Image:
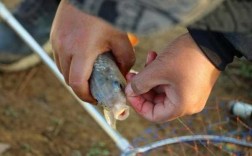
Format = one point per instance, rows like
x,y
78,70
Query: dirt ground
x,y
39,117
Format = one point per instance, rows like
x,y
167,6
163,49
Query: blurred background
x,y
39,117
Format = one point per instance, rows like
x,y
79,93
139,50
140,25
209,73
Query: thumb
x,y
145,80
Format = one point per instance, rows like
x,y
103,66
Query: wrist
x,y
193,75
188,63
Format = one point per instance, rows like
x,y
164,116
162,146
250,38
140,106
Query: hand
x,y
77,39
175,83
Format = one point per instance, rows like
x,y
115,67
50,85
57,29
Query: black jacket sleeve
x,y
225,33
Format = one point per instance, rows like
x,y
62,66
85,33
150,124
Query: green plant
x,y
26,147
98,149
9,111
246,70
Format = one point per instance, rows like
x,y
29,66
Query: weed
x,y
246,70
26,147
98,149
10,112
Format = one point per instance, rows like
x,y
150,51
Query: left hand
x,y
77,40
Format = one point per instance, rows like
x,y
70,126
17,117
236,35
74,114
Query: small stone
x,y
3,148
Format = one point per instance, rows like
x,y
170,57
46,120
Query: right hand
x,y
175,83
77,39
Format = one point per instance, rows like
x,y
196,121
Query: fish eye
x,y
116,84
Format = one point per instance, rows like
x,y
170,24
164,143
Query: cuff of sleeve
x,y
216,48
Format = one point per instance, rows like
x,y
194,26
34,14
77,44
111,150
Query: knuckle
x,y
196,109
192,104
60,42
161,59
157,119
76,87
199,109
136,87
121,35
175,115
176,110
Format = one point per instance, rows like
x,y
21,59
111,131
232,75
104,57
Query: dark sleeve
x,y
225,33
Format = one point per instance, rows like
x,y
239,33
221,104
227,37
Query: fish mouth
x,y
120,111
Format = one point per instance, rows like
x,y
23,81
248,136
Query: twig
x,y
26,80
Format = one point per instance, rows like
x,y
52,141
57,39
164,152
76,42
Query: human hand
x,y
78,38
175,83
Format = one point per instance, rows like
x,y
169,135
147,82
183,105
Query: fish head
x,y
107,86
115,101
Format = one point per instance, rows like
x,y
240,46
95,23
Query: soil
x,y
39,117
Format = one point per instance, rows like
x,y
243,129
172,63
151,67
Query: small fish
x,y
107,87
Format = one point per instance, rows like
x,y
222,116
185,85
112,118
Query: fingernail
x,y
128,90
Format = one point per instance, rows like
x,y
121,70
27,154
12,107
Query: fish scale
x,y
107,87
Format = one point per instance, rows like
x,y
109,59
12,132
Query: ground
x,y
39,117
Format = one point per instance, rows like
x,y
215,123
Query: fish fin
x,y
109,116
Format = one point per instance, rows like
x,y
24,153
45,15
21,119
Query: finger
x,y
147,109
153,106
149,95
141,106
57,62
156,110
150,57
164,111
65,62
79,74
160,89
150,77
124,54
129,76
159,98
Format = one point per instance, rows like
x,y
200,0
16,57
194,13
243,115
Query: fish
x,y
107,86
